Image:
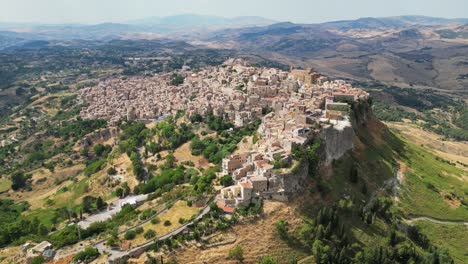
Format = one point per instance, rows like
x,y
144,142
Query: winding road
x,y
416,218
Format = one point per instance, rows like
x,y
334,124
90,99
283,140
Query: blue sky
x,y
304,11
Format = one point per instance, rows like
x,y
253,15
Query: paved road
x,y
113,209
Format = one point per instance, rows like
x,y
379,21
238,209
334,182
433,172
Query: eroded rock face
x,y
338,140
100,135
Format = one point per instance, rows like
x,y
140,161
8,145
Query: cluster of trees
x,y
72,234
204,183
217,123
91,204
215,149
171,136
16,226
98,162
386,112
123,190
137,166
93,166
101,150
163,182
170,177
87,255
19,180
77,129
279,162
226,180
329,240
133,135
131,234
177,79
307,154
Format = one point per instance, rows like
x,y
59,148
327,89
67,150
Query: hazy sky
x,y
306,11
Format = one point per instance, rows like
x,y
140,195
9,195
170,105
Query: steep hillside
x,y
350,211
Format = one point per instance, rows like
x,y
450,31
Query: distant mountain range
x,y
190,20
199,27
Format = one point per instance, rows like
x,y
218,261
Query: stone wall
x,y
337,142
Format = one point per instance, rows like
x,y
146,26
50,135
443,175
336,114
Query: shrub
x,y
146,214
167,223
111,171
282,228
129,235
237,253
139,230
150,234
155,221
111,242
86,255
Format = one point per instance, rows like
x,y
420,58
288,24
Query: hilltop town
x,y
294,107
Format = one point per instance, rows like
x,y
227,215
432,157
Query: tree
x,y
177,79
99,149
19,180
353,174
111,171
111,242
88,203
282,228
126,189
149,234
42,230
119,192
129,235
100,203
170,161
237,253
226,181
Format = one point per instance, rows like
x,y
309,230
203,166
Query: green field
x,y
433,187
452,237
4,185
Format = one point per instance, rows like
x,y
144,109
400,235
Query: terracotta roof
x,y
126,245
245,185
225,208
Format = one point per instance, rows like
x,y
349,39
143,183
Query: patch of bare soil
x,y
451,200
256,238
123,166
10,255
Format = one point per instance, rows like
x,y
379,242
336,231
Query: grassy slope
x,y
449,236
418,195
376,154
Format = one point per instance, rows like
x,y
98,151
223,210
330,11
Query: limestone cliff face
x,y
338,140
338,137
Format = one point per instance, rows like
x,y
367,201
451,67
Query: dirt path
x,y
415,218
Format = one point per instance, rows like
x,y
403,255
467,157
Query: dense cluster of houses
x,y
293,105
